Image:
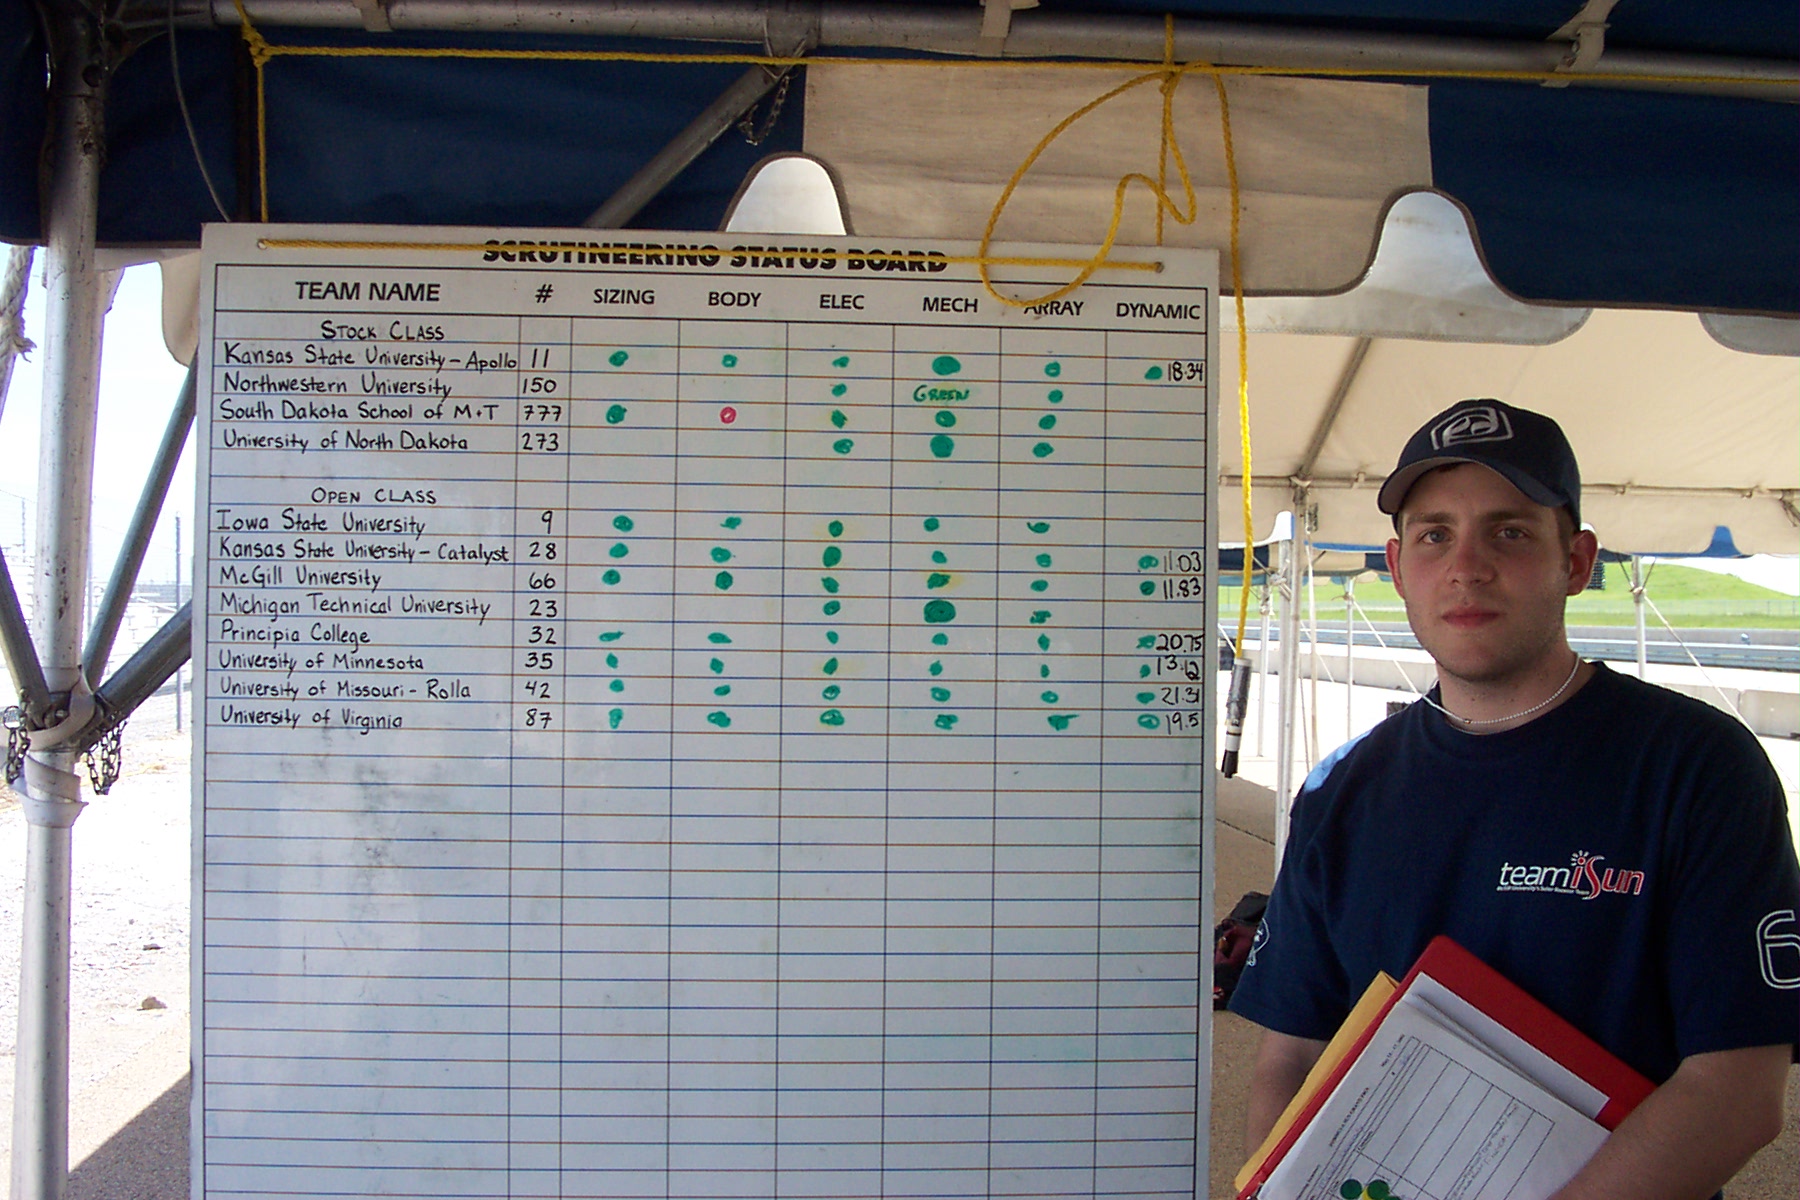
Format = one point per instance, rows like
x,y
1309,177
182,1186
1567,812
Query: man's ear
x,y
1393,566
1584,548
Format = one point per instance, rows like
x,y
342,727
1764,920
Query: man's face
x,y
1485,572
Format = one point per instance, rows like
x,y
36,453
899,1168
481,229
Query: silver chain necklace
x,y
1542,704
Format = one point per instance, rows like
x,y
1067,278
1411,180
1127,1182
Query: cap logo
x,y
1482,424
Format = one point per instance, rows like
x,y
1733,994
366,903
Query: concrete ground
x,y
129,1073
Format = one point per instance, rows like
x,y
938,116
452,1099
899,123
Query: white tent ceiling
x,y
1675,433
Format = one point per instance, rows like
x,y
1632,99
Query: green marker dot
x,y
935,580
612,635
945,721
615,414
722,581
1047,421
829,584
716,666
1060,721
617,685
833,556
843,445
831,716
731,522
730,360
939,557
614,717
724,689
623,523
940,639
1145,697
943,445
841,361
931,524
1043,560
838,419
1044,671
936,668
617,358
831,636
1378,1189
835,529
1040,585
1350,1189
612,660
611,577
832,607
938,612
1053,369
720,719
720,554
1147,641
830,666
618,550
832,691
1147,588
1049,697
945,418
1147,561
838,389
1149,721
1144,671
1153,374
940,694
1043,450
1055,396
1043,641
1038,526
945,364
1040,616
718,639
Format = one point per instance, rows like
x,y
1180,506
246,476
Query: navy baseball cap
x,y
1527,449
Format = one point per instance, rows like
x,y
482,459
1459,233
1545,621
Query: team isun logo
x,y
1583,877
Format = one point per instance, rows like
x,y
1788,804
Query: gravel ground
x,y
129,920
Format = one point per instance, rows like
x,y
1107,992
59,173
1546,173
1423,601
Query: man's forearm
x,y
1693,1133
1281,1066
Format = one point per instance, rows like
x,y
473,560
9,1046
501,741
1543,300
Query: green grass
x,y
1688,597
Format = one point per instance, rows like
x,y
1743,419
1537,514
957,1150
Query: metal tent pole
x,y
957,29
683,149
1292,552
73,305
137,538
1637,603
1262,659
1350,658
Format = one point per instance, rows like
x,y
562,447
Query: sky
x,y
139,381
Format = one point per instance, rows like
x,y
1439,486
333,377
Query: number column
x,y
540,528
1157,461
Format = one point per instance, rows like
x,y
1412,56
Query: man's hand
x,y
1693,1133
1282,1062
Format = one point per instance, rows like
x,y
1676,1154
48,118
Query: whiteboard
x,y
691,719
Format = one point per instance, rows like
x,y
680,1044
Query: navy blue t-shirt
x,y
1625,858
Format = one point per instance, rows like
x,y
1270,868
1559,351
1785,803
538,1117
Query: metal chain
x,y
17,742
747,125
110,748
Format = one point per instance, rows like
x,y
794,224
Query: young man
x,y
1620,851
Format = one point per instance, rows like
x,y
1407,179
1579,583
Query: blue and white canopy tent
x,y
1614,155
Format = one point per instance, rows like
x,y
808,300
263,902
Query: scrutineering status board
x,y
692,718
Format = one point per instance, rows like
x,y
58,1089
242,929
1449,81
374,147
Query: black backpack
x,y
1232,939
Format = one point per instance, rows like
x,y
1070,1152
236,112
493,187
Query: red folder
x,y
1509,1005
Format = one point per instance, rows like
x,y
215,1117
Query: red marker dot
x,y
727,415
